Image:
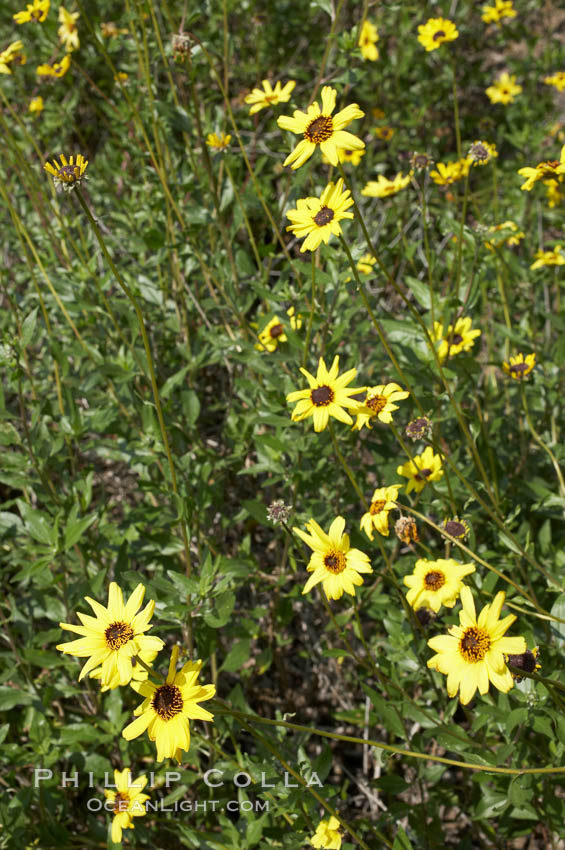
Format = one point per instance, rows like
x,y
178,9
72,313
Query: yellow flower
x,y
368,38
510,240
318,218
543,170
354,157
109,29
113,636
482,152
385,132
549,258
554,194
36,104
57,69
327,835
458,338
36,12
557,80
450,172
504,89
382,187
365,263
382,503
519,366
68,32
501,9
436,583
326,396
218,143
128,801
269,96
379,404
435,31
167,708
139,673
332,561
421,469
68,174
12,53
273,332
320,127
472,654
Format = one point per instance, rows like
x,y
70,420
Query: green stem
x,y
541,443
311,316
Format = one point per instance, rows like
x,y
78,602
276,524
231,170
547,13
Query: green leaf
x,y
28,328
10,697
39,525
75,528
237,656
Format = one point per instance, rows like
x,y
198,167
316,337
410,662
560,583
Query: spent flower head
x,y
418,428
482,152
278,513
322,129
526,661
406,529
456,528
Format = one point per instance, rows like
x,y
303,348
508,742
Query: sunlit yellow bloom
x,y
332,561
167,708
504,89
543,170
327,396
320,128
113,636
128,801
379,404
273,332
327,836
12,54
269,96
557,80
218,142
121,77
472,654
68,32
435,31
421,469
382,187
449,172
368,38
549,258
354,157
36,104
57,69
109,29
385,132
554,193
68,174
436,583
318,218
501,9
382,503
365,263
519,366
139,673
456,339
482,152
36,12
506,239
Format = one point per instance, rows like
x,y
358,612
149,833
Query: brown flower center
x,y
518,368
474,644
121,801
167,701
117,635
455,339
434,580
376,403
335,562
423,473
68,173
439,34
456,529
324,216
377,507
320,129
276,330
322,396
